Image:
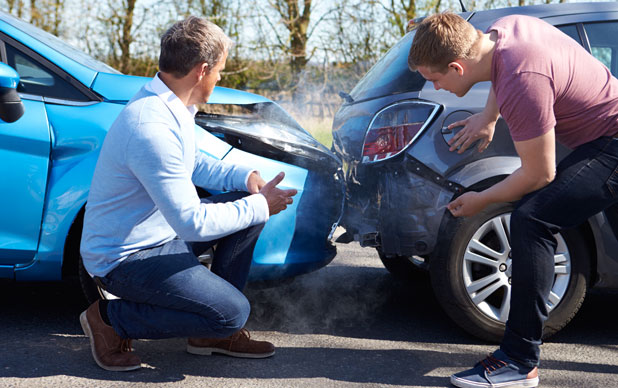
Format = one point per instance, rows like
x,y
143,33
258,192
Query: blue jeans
x,y
166,292
586,183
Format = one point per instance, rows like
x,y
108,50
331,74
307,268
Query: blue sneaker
x,y
497,371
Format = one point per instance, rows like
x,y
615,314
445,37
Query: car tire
x,y
91,291
89,288
457,278
401,267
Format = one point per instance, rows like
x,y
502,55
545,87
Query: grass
x,y
320,128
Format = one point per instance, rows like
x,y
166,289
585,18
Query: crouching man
x,y
145,224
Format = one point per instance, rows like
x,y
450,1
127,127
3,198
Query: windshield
x,y
390,74
57,44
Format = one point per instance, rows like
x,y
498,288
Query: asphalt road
x,y
347,325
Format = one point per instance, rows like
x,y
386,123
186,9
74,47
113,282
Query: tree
x,y
121,27
400,12
17,6
46,14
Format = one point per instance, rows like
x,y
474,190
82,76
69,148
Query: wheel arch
x,y
449,222
70,256
585,229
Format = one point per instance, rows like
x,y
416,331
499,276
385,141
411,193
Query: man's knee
x,y
238,313
232,317
255,230
520,217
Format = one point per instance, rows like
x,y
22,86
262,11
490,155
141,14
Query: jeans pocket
x,y
612,183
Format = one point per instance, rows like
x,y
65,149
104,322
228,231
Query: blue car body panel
x,y
108,86
118,87
273,245
232,96
24,156
77,141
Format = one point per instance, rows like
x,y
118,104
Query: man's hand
x,y
477,126
277,199
255,183
468,204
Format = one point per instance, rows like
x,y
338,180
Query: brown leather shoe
x,y
236,345
109,350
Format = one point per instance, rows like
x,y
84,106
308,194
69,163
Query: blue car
x,y
47,159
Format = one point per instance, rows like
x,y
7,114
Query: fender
x,y
483,169
68,192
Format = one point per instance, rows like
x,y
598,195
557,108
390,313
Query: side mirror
x,y
11,107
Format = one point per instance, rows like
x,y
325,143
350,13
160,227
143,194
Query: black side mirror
x,y
11,107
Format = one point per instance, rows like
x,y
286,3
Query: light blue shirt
x,y
143,194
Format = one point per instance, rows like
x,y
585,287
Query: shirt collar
x,y
182,112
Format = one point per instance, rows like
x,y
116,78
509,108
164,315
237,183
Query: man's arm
x,y
211,173
538,168
156,158
478,126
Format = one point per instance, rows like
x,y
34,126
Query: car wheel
x,y
402,267
91,291
471,275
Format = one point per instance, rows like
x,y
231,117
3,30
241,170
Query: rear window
x,y
390,75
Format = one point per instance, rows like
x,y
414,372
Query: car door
x,y
24,165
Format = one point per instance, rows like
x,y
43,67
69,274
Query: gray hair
x,y
190,42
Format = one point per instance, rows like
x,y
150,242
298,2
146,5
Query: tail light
x,y
395,127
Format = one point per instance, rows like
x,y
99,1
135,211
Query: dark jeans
x,y
586,183
166,292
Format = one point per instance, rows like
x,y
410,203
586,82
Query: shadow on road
x,y
41,336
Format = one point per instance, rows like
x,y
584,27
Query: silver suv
x,y
392,135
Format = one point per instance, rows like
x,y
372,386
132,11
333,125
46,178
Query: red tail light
x,y
394,128
382,143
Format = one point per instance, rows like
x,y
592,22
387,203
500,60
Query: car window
x,y
571,30
603,39
36,79
390,74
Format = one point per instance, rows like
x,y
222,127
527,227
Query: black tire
x,y
450,271
89,288
401,267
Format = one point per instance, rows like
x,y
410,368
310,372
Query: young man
x,y
547,88
145,224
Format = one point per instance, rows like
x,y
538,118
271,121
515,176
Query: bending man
x,y
546,90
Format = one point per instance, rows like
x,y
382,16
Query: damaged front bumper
x,y
299,240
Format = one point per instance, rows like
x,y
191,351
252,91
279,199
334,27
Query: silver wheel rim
x,y
487,269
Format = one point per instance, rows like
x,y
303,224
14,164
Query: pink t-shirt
x,y
543,79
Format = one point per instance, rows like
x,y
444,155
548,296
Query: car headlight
x,y
395,127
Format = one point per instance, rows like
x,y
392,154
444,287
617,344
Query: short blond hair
x,y
442,38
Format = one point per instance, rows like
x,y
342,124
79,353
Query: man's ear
x,y
457,66
201,69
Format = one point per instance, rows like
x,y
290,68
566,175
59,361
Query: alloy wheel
x,y
487,269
